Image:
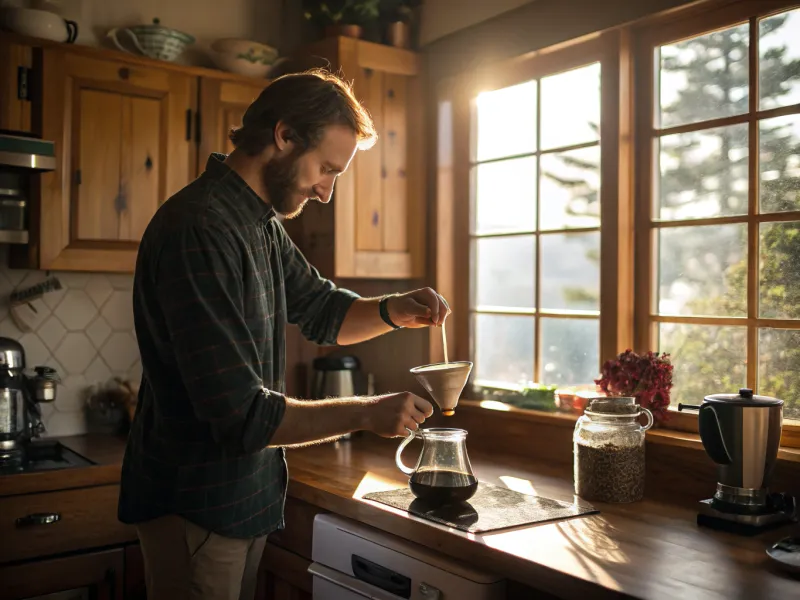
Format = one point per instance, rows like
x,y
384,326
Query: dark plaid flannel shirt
x,y
217,279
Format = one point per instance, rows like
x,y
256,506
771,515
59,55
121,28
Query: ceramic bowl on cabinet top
x,y
244,57
155,41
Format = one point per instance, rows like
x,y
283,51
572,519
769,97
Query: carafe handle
x,y
398,459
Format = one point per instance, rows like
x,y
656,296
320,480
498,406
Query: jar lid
x,y
745,397
613,405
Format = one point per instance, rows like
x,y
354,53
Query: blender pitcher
x,y
443,474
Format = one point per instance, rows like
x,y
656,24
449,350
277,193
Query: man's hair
x,y
307,102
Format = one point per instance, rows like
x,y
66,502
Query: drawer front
x,y
34,525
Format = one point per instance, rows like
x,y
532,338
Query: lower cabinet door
x,y
92,576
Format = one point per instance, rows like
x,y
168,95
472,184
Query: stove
x,y
44,455
778,509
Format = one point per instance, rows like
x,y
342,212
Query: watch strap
x,y
384,312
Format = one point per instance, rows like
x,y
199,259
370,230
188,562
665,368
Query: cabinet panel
x,y
118,156
16,61
87,518
368,167
394,191
98,137
222,106
377,228
124,137
98,575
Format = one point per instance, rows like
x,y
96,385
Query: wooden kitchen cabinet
x,y
125,142
222,106
97,575
283,575
16,63
376,225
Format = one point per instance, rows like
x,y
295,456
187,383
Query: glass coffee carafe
x,y
443,474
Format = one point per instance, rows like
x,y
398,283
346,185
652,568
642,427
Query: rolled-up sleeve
x,y
314,303
200,290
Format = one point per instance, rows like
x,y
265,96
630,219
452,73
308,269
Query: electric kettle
x,y
335,377
741,433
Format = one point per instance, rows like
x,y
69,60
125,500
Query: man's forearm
x,y
310,421
363,322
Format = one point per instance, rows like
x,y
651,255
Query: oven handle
x,y
38,519
349,583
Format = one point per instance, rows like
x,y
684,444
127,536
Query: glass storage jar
x,y
609,450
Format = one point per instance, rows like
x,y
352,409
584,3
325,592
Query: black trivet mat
x,y
491,508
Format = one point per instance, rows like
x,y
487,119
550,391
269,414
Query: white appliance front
x,y
353,562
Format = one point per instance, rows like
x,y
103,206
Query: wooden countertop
x,y
105,451
650,549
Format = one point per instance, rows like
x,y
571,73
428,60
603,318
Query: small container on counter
x,y
609,450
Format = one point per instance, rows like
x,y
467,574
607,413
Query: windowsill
x,y
662,436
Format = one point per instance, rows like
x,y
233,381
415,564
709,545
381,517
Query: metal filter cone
x,y
444,382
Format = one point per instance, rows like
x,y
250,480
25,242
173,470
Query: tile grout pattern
x,y
84,331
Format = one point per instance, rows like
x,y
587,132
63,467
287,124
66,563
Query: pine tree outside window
x,y
719,223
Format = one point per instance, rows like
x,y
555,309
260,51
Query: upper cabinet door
x,y
222,106
124,138
16,61
377,222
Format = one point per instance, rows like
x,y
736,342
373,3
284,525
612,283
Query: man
x,y
217,278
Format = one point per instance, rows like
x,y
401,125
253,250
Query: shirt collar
x,y
247,200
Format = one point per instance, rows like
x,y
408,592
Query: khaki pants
x,y
185,562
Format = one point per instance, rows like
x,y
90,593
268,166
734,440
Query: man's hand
x,y
390,415
420,308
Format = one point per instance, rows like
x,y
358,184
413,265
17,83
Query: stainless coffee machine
x,y
742,433
20,394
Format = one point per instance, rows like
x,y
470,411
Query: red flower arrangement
x,y
646,377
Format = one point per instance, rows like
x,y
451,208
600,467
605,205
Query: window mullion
x,y
537,326
752,211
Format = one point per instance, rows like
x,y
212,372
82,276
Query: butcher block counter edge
x,y
648,550
105,451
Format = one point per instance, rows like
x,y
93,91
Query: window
x,y
721,206
534,229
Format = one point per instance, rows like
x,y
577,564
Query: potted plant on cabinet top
x,y
341,17
397,15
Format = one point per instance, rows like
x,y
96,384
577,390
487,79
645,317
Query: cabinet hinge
x,y
23,83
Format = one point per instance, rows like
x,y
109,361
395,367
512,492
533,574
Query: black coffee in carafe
x,y
437,488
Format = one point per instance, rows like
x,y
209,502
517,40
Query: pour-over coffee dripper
x,y
444,382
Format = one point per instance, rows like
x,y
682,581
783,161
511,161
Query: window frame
x,y
666,30
627,72
452,266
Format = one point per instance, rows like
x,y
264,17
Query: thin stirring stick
x,y
444,343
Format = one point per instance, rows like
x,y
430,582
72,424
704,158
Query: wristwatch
x,y
384,311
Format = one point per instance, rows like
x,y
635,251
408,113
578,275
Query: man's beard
x,y
280,180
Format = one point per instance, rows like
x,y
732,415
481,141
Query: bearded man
x,y
217,279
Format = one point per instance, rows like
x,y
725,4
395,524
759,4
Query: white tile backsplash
x,y
118,310
76,310
75,353
84,331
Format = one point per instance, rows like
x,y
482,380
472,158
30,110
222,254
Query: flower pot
x,y
397,34
353,31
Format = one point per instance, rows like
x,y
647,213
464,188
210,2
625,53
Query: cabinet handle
x,y
188,124
38,519
23,77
